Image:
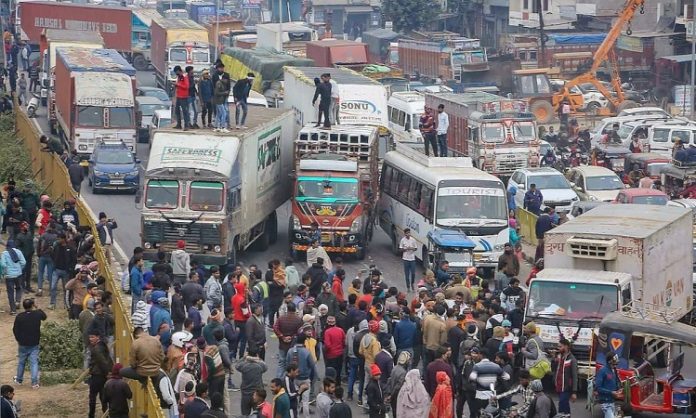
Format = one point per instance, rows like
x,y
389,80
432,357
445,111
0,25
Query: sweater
x,y
27,327
334,342
181,263
434,332
252,370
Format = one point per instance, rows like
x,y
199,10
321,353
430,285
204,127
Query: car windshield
x,y
324,190
492,132
650,200
162,194
92,116
462,205
573,300
604,183
149,109
660,135
206,196
655,169
524,131
119,156
164,122
157,93
625,131
549,182
177,55
201,56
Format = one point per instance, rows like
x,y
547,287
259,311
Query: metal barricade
x,y
527,222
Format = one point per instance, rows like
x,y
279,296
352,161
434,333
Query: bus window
x,y
394,184
414,192
404,184
425,206
386,177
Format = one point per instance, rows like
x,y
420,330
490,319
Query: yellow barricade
x,y
51,171
527,222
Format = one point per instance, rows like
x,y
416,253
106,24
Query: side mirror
x,y
521,186
137,160
138,196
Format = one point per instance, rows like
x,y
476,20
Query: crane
x,y
605,53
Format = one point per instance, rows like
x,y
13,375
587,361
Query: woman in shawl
x,y
397,378
413,400
442,401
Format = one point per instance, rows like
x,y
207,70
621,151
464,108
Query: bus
x,y
426,193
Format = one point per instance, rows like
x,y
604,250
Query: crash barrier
x,y
52,173
527,222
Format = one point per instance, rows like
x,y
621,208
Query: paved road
x,y
122,207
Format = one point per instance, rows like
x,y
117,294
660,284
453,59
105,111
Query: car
x,y
595,183
554,187
154,92
644,111
162,118
146,107
112,166
592,99
642,196
255,99
607,124
580,207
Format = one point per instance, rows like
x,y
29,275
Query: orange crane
x,y
605,53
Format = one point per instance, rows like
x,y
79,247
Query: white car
x,y
595,183
644,111
592,99
556,190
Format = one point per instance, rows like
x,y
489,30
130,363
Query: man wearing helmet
x,y
608,386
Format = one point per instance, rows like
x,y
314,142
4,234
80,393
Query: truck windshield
x,y
206,196
200,56
571,300
524,131
493,132
178,55
326,190
162,194
121,117
92,116
478,206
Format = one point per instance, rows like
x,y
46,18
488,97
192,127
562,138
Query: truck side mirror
x,y
138,197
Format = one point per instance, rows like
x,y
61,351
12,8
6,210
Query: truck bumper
x,y
332,242
206,259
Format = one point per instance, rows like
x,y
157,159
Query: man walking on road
x,y
442,127
27,333
181,262
408,247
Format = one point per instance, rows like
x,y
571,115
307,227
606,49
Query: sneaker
x,y
16,382
39,293
360,403
52,307
244,127
216,130
225,130
177,127
350,398
13,313
36,386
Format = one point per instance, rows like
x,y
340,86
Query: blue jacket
x,y
404,334
159,316
205,88
306,366
533,201
512,191
606,382
136,281
9,268
442,277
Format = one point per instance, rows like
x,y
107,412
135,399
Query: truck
x,y
201,187
113,23
379,42
289,37
220,26
50,40
449,59
94,98
141,40
336,178
499,134
175,42
201,11
363,101
630,258
334,52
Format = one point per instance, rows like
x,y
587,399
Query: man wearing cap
x,y
334,346
205,94
370,347
100,365
117,393
542,406
241,91
375,393
78,285
181,105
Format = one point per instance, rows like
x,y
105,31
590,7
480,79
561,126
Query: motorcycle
x,y
492,410
33,105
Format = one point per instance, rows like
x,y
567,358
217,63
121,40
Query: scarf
x,y
279,394
442,401
413,400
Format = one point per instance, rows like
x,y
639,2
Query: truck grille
x,y
598,249
168,233
509,162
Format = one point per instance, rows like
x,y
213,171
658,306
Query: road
x,y
122,207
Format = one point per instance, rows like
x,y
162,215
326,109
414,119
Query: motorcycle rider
x,y
549,159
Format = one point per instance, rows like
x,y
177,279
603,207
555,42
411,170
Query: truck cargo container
x,y
363,101
217,192
94,98
499,134
289,37
333,52
226,26
141,39
450,59
50,40
379,42
631,258
113,23
336,176
175,42
201,12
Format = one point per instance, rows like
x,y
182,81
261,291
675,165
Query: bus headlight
x,y
356,226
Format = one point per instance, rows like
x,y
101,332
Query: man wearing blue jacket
x,y
608,386
405,333
137,282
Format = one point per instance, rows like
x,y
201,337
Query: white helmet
x,y
181,337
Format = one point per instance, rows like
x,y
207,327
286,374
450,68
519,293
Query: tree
x,y
409,15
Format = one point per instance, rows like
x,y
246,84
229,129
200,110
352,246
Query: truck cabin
x,y
110,105
531,83
451,246
329,179
502,125
189,53
468,56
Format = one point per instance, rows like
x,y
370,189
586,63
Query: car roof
x,y
149,100
540,171
643,110
164,113
640,191
593,170
674,126
112,146
149,88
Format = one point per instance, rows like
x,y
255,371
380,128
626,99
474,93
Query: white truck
x,y
217,192
635,258
363,101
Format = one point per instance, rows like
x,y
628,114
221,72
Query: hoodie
x,y
141,316
369,348
159,314
239,304
181,263
292,276
512,191
350,338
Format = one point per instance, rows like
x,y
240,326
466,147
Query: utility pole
x,y
542,34
693,57
217,29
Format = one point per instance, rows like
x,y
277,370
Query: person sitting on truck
x,y
241,91
181,105
427,129
323,92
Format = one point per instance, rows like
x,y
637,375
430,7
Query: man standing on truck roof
x,y
323,92
192,97
427,128
241,91
442,127
335,101
205,92
181,88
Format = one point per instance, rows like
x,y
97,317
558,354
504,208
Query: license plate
x,y
116,182
325,237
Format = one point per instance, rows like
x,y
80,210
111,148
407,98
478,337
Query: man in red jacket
x,y
241,314
182,98
334,345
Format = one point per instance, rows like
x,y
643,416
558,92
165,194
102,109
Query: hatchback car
x,y
146,107
595,183
113,166
642,196
161,119
154,92
550,182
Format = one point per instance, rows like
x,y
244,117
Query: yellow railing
x,y
51,171
527,222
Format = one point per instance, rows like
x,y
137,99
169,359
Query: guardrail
x,y
51,171
527,222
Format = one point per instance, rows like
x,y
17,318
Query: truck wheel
x,y
140,63
395,243
592,108
272,229
542,111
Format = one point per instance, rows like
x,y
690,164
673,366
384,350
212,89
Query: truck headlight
x,y
356,226
147,245
217,248
296,223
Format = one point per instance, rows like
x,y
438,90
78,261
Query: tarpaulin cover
x,y
267,65
577,38
378,39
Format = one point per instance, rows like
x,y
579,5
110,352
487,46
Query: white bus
x,y
425,193
405,109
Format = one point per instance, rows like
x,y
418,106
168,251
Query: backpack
x,y
532,408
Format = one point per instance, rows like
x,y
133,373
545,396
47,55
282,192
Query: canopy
x,y
268,64
577,38
451,240
675,332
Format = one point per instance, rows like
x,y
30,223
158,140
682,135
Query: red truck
x,y
113,23
450,58
332,52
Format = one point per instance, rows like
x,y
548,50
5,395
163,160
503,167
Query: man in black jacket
x,y
193,94
318,275
241,91
25,243
323,92
27,333
100,365
64,260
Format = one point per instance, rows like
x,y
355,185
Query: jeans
x,y
242,338
96,388
207,110
564,402
193,109
31,353
324,111
355,375
14,291
221,116
608,410
333,110
181,107
430,140
304,398
241,104
22,96
410,273
27,271
57,274
282,363
442,143
337,365
45,266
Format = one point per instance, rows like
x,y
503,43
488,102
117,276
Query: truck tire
x,y
263,242
542,111
626,104
272,229
140,63
395,243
